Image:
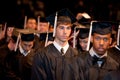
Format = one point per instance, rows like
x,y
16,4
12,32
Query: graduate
x,y
19,62
82,39
58,61
5,50
97,61
45,30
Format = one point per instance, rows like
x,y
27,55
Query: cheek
x,y
69,32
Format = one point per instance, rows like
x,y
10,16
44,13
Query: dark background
x,y
13,12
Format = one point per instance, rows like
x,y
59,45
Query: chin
x,y
101,52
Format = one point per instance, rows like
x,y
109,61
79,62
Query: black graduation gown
x,y
115,54
114,75
2,42
19,66
37,44
93,72
4,51
49,64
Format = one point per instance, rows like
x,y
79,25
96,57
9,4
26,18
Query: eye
x,y
61,27
105,39
85,41
68,28
97,38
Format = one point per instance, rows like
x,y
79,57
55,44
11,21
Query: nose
x,y
27,48
64,30
101,42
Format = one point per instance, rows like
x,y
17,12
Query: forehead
x,y
83,39
31,20
64,25
43,23
27,42
10,28
99,35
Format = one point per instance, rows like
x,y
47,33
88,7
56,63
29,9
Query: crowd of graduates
x,y
91,48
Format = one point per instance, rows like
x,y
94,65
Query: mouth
x,y
64,37
101,49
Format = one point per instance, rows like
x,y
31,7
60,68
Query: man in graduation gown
x,y
5,50
97,61
51,63
31,23
19,63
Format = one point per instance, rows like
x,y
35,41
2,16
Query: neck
x,y
61,43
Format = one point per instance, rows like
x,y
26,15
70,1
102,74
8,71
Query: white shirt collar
x,y
59,47
92,53
22,51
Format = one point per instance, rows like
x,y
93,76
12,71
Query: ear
x,y
91,39
110,41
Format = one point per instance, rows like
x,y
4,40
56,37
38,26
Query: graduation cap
x,y
83,33
42,22
24,35
102,27
58,17
43,19
80,33
44,35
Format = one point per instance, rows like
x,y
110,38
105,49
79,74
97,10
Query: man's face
x,y
101,43
31,23
10,31
43,27
27,45
63,32
83,43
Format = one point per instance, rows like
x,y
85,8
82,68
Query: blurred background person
x,y
5,50
115,50
82,41
19,63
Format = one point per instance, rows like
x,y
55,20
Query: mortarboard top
x,y
63,12
83,20
43,19
84,25
101,27
83,33
26,34
43,36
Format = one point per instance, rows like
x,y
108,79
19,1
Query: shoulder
x,y
73,50
44,50
113,75
84,54
112,62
